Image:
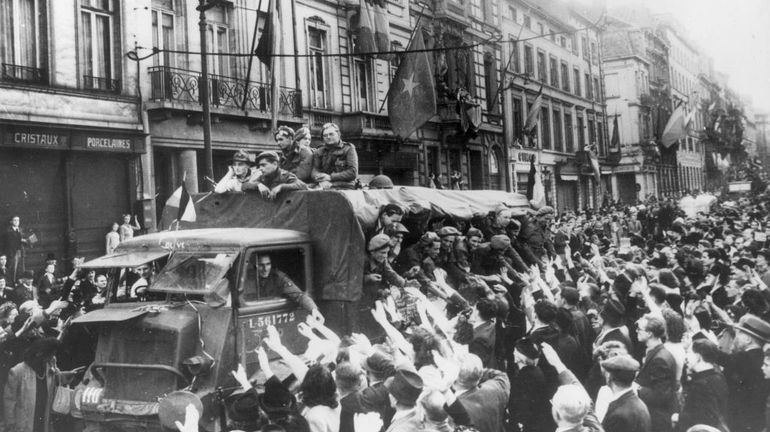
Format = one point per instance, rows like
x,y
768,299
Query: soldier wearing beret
x,y
274,180
335,164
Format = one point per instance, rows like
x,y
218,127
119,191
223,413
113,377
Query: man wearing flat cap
x,y
404,388
743,370
275,180
378,275
297,157
419,260
625,412
379,366
240,173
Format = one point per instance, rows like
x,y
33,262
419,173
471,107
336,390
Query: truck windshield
x,y
197,272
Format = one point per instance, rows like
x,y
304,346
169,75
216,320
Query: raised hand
x,y
273,339
191,418
379,312
240,376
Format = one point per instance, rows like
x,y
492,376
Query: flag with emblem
x,y
184,204
412,94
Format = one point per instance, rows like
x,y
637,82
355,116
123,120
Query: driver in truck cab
x,y
272,282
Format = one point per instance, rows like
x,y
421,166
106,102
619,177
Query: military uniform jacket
x,y
299,162
285,178
340,162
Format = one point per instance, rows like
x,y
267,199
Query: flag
x,y
688,119
531,178
365,42
412,94
270,39
538,191
184,204
593,158
615,140
381,28
675,128
534,112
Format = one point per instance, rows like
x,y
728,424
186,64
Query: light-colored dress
x,y
111,241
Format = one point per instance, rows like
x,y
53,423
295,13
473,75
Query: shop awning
x,y
125,259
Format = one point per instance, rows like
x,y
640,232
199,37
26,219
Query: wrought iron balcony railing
x,y
182,85
101,84
24,74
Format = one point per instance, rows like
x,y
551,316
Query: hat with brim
x,y
276,398
242,156
754,326
405,387
270,155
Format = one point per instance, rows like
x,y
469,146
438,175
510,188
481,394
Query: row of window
x,y
555,76
559,130
568,41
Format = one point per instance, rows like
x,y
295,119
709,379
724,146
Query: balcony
x,y
179,85
24,74
366,124
105,85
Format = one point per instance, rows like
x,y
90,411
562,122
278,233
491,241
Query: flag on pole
x,y
184,204
534,112
412,94
270,39
675,128
531,178
538,191
365,42
689,118
381,27
615,140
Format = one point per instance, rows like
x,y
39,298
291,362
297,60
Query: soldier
x,y
239,174
297,157
335,165
273,180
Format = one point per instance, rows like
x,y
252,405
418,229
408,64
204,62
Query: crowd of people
x,y
625,319
628,318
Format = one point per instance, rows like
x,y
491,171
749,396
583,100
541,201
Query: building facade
x,y
554,48
70,120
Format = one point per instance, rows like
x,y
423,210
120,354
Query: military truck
x,y
203,312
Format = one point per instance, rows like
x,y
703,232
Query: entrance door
x,y
100,195
33,189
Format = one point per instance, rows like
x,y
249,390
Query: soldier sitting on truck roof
x,y
274,180
272,282
241,173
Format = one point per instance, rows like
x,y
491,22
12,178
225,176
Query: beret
x,y
396,228
474,232
301,133
618,363
269,155
499,242
428,238
378,242
448,231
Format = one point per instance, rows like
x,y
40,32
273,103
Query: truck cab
x,y
202,314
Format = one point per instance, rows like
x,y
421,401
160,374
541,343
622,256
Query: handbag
x,y
62,400
32,239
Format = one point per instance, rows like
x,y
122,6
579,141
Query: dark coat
x,y
705,401
659,385
487,402
747,389
11,242
627,414
530,402
483,343
340,162
375,398
349,406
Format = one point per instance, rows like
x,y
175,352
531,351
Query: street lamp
x,y
203,6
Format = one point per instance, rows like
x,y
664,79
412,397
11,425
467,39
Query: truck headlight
x,y
198,365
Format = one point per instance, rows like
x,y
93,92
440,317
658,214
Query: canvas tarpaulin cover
x,y
337,221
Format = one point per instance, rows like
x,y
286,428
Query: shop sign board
x,y
61,139
35,138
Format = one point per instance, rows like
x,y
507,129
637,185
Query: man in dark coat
x,y
743,371
483,393
705,400
626,412
275,180
13,247
657,379
335,164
